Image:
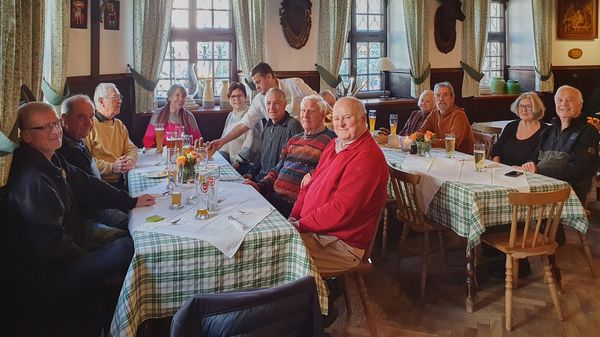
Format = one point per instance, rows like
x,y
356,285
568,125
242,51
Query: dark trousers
x,y
282,205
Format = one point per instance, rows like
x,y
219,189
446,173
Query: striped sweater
x,y
300,155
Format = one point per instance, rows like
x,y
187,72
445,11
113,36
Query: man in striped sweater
x,y
298,158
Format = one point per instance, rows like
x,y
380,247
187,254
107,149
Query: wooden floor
x,y
394,294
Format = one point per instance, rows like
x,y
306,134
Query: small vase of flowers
x,y
185,167
423,142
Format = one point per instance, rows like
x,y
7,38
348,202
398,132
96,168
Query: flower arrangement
x,y
185,165
595,122
423,142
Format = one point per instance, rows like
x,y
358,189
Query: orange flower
x,y
429,136
417,136
181,160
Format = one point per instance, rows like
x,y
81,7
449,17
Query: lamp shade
x,y
386,64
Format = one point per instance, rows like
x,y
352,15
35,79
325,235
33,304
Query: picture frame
x,y
79,14
112,15
577,19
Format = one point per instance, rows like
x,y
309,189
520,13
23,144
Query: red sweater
x,y
345,194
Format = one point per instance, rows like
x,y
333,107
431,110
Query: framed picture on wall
x,y
577,19
112,15
79,14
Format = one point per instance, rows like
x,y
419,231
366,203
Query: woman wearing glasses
x,y
240,151
519,139
172,116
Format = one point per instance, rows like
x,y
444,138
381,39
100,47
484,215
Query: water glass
x,y
450,145
479,156
187,141
201,155
393,123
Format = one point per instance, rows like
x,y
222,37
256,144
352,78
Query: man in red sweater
x,y
337,211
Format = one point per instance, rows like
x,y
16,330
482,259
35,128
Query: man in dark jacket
x,y
58,283
77,117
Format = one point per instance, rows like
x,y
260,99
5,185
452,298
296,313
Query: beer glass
x,y
176,198
202,155
159,132
450,144
187,141
213,187
172,168
171,138
202,188
393,123
178,137
479,156
372,119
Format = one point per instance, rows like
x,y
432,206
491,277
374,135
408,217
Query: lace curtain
x,y
417,36
334,24
474,40
249,22
542,37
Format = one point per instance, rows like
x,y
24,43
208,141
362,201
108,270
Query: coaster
x,y
176,207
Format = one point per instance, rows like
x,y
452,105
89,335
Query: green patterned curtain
x,y
249,23
417,35
474,40
334,24
151,23
542,37
57,49
21,48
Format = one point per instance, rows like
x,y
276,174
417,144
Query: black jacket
x,y
42,206
570,154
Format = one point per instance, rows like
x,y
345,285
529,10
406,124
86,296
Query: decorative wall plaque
x,y
295,21
575,53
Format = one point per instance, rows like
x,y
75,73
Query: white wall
x,y
591,48
115,46
278,53
436,57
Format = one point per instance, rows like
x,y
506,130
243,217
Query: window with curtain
x,y
201,34
494,61
367,41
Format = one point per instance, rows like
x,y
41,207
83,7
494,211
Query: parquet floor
x,y
395,300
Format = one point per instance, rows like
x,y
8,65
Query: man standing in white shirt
x,y
264,78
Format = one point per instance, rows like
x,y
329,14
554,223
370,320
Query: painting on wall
x,y
79,14
112,15
577,19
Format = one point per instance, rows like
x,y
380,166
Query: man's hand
x,y
251,183
294,222
145,200
305,180
529,167
217,144
123,164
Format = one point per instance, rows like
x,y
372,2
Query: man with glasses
x,y
59,283
109,141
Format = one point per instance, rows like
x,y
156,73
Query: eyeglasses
x,y
115,97
525,107
48,127
236,96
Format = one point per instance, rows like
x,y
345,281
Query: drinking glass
x,y
202,155
187,141
372,119
479,156
176,198
159,133
172,168
213,187
171,138
202,188
450,144
393,123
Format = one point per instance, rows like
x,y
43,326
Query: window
x,y
202,36
366,43
493,62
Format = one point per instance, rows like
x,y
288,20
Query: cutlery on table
x,y
236,222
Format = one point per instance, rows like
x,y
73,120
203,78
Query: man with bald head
x,y
337,212
51,263
569,147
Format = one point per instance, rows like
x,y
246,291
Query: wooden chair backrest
x,y
487,129
366,258
535,205
489,139
409,208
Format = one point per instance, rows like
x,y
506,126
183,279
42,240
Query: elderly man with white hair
x,y
109,141
298,158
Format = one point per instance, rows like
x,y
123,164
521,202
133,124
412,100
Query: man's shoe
x,y
330,317
335,289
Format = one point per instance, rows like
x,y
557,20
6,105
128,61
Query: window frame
x,y
499,37
193,35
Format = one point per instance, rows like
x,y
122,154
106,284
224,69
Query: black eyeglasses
x,y
48,127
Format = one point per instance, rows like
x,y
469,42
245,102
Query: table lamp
x,y
385,64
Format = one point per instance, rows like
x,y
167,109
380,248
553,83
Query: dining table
x,y
177,256
469,202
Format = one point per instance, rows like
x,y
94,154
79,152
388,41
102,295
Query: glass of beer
x,y
213,186
172,167
450,144
479,156
178,137
202,155
171,138
372,119
176,198
159,132
187,141
393,123
202,187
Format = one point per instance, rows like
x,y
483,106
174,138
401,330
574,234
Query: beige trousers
x,y
330,254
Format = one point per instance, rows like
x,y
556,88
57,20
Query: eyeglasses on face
x,y
48,127
236,96
525,106
116,97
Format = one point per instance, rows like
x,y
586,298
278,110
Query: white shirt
x,y
244,147
295,90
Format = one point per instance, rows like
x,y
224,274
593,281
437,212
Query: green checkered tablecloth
x,y
168,270
468,209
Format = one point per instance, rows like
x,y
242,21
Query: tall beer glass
x,y
479,156
159,133
450,144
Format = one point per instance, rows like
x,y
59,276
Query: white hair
x,y
102,91
423,94
316,99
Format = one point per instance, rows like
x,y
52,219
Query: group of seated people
x,y
68,211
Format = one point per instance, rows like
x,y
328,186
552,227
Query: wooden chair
x,y
357,273
587,252
410,213
534,239
487,129
487,135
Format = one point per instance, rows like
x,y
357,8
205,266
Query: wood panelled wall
x,y
479,109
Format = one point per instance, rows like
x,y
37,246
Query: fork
x,y
175,221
